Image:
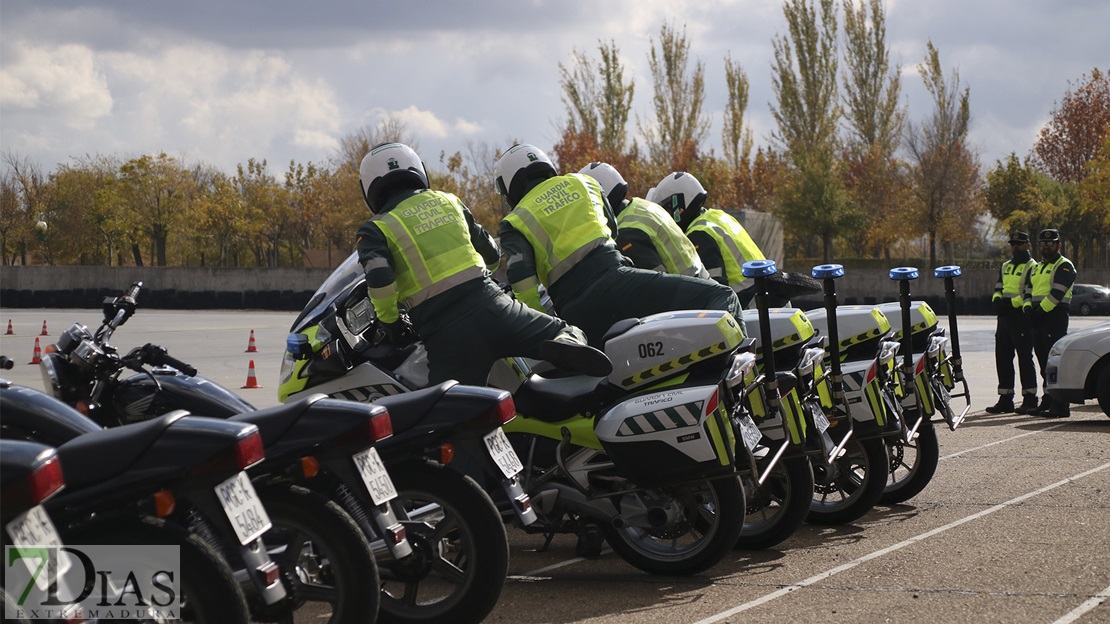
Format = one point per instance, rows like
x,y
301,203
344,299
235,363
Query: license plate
x,y
502,453
819,418
243,508
375,476
34,528
749,432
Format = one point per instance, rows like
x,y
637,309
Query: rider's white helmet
x,y
388,168
679,193
517,167
611,181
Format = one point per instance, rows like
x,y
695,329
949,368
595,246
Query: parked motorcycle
x,y
176,480
643,458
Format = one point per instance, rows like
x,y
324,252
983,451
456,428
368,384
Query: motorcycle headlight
x,y
738,366
359,316
51,379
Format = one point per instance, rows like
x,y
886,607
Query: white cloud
x,y
426,123
63,80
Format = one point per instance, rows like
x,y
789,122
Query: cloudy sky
x,y
222,81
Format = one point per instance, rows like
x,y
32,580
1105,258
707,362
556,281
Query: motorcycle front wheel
x,y
460,549
912,465
327,566
778,507
855,485
712,516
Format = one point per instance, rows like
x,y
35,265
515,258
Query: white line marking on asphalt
x,y
554,566
889,549
1078,612
1003,441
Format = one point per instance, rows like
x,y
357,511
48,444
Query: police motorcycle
x,y
313,448
643,459
176,480
800,416
30,473
440,547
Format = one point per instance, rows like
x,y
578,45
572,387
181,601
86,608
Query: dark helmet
x,y
611,181
519,170
388,168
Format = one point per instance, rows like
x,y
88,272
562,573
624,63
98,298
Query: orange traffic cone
x,y
37,357
10,331
250,345
44,332
252,381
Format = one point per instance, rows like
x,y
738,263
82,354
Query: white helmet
x,y
388,168
517,168
611,181
680,194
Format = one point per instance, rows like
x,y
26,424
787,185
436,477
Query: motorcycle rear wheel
x,y
209,592
912,465
460,549
714,513
324,557
777,508
857,487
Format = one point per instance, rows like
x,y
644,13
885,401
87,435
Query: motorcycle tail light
x,y
310,467
381,426
164,502
249,450
377,426
499,414
40,484
446,453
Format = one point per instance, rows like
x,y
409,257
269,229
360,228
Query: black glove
x,y
1001,305
400,332
1038,311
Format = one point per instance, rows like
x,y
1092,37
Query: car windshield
x,y
336,286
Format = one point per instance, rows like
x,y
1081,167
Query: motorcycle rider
x,y
1047,299
646,234
1014,333
423,248
722,243
558,234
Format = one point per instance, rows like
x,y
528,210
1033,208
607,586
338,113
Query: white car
x,y
1079,367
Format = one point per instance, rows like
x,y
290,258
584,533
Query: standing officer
x,y
646,234
1014,332
1047,300
424,249
559,234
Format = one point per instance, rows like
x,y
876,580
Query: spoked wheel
x,y
460,550
912,464
778,507
696,530
209,592
852,486
328,569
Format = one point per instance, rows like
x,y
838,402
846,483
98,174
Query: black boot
x,y
1005,405
1044,407
1028,404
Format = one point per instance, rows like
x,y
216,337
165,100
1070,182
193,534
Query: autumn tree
x,y
155,191
945,172
807,111
32,188
268,205
1094,200
1074,134
736,137
677,99
86,212
597,98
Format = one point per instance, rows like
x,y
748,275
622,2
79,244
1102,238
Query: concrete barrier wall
x,y
290,289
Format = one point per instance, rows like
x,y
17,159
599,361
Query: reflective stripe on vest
x,y
1043,279
563,218
674,249
1012,276
730,237
430,242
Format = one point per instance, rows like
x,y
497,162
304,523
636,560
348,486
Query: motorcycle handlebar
x,y
6,362
154,354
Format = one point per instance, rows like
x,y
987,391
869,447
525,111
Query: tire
x,y
209,592
1104,390
1085,309
777,508
856,487
454,529
325,560
714,517
912,465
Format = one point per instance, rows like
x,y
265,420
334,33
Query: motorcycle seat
x,y
405,410
556,399
618,328
273,422
100,455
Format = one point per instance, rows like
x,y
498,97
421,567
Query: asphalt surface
x,y
1012,528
